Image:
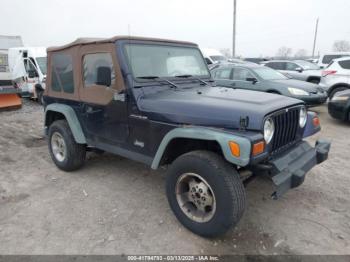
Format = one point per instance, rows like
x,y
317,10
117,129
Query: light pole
x,y
234,29
315,38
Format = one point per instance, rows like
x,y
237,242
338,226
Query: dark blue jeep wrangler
x,y
154,101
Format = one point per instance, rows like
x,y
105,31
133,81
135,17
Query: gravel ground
x,y
117,206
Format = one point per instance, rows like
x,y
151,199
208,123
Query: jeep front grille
x,y
286,128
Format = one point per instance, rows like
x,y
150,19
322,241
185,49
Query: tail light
x,y
328,72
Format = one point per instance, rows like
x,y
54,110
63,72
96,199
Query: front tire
x,y
64,151
336,90
205,193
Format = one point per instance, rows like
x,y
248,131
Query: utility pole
x,y
234,28
313,49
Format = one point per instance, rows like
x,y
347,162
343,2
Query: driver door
x,y
103,104
32,75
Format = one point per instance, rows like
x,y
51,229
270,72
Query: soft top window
x,y
62,73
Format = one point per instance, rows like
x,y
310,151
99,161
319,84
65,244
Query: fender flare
x,y
71,118
201,133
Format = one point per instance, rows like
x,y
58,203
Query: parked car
x,y
312,60
256,60
327,58
213,56
153,101
265,79
339,105
297,69
336,77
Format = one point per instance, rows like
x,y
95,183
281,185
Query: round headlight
x,y
269,130
302,117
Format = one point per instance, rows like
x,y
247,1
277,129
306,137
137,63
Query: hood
x,y
212,106
309,87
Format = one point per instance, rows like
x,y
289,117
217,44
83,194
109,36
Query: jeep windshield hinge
x,y
243,122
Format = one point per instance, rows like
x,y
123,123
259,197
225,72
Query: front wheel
x,y
65,152
205,193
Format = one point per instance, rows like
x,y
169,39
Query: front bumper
x,y
315,99
289,170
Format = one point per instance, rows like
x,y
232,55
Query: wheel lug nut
x,y
200,190
203,198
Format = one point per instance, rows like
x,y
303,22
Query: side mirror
x,y
32,74
104,76
299,69
252,79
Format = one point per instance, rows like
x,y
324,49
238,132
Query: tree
x,y
341,46
301,53
284,52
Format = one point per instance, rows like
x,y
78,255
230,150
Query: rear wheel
x,y
336,90
64,151
205,193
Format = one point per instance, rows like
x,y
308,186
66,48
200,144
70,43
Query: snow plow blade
x,y
10,101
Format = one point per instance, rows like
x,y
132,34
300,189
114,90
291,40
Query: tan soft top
x,y
87,40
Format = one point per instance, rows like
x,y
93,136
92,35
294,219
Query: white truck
x,y
28,66
213,56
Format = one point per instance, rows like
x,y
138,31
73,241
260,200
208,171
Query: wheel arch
x,y
57,111
310,78
338,85
189,139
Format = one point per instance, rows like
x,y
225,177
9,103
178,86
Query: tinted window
x,y
241,74
223,73
92,62
345,64
62,73
276,65
328,58
208,61
291,66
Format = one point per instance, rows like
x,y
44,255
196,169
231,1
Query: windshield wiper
x,y
159,79
193,77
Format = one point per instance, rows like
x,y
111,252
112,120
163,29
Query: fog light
x,y
235,150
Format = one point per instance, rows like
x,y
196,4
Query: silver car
x,y
336,77
297,69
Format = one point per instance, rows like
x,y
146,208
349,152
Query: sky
x,y
263,26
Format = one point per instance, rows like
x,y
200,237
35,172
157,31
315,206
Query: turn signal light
x,y
235,150
258,148
316,121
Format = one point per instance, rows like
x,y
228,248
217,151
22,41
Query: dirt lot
x,y
115,206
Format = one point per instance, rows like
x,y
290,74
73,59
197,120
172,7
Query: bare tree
x,y
284,52
341,46
301,53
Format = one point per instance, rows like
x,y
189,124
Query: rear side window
x,y
223,73
328,58
345,64
62,73
92,62
276,65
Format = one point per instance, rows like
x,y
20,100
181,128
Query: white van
x,y
28,66
327,58
213,56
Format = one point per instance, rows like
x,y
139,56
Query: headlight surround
x,y
340,98
302,117
269,130
297,91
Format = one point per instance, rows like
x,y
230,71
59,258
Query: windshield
x,y
165,61
41,61
307,65
218,58
267,73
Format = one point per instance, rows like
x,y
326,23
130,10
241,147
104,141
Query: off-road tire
x,y
225,182
75,153
337,89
